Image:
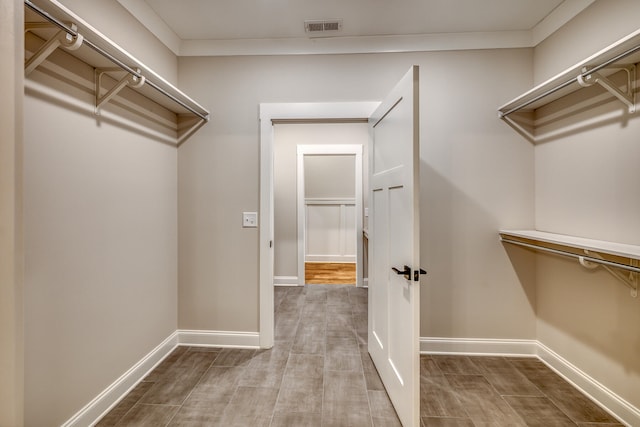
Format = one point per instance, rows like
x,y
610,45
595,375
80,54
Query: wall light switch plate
x,y
249,219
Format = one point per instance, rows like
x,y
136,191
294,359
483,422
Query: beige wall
x,y
286,139
477,176
598,26
331,176
587,185
11,250
100,219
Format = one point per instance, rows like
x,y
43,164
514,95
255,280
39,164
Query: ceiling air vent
x,y
320,28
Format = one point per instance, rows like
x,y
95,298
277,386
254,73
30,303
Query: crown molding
x,y
562,14
353,45
150,19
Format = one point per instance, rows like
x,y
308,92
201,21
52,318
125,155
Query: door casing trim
x,y
312,111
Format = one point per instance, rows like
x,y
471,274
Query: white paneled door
x,y
394,245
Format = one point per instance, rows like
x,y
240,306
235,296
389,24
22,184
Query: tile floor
x,y
319,374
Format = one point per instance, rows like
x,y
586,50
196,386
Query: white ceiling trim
x,y
150,19
556,19
345,45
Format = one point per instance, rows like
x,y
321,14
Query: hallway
x,y
319,374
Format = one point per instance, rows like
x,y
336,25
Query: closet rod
x,y
572,255
573,80
111,58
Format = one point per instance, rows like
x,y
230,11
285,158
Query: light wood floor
x,y
326,273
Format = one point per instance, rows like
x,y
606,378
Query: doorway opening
x,y
329,206
318,113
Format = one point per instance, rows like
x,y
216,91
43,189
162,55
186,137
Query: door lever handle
x,y
406,272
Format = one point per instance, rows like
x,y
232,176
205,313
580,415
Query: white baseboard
x,y
331,258
106,400
608,400
111,396
612,403
219,339
478,346
285,281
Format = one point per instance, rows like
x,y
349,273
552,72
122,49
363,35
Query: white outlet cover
x,y
249,219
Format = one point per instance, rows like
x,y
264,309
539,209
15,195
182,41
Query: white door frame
x,y
286,111
327,150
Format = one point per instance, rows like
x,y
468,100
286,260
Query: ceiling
x,y
228,27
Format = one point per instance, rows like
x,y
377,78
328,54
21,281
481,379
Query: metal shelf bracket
x,y
628,97
128,80
631,280
629,276
60,39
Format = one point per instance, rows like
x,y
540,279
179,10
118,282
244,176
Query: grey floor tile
x,y
296,420
344,394
204,349
262,376
573,403
125,405
446,422
273,357
310,329
300,395
338,320
196,417
252,401
481,402
578,407
505,377
142,415
386,422
372,379
340,333
456,365
305,365
319,373
176,384
309,344
234,357
343,362
600,425
512,383
167,363
381,406
342,345
428,367
210,399
348,420
235,419
438,399
539,411
491,364
221,376
286,329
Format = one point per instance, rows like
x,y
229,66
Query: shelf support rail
x,y
628,97
583,75
136,73
591,260
59,39
128,80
